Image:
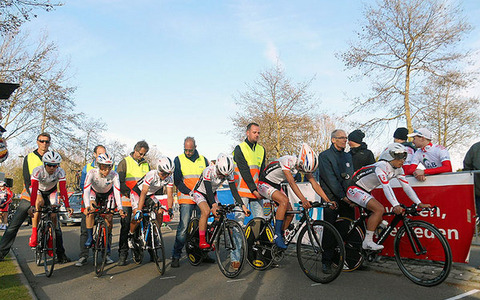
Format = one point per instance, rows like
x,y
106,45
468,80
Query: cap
x,y
356,136
401,133
423,132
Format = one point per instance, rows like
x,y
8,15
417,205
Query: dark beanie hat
x,y
401,133
356,136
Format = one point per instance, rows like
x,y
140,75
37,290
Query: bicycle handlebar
x,y
101,210
413,210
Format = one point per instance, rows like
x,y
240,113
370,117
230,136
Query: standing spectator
x,y
361,156
99,149
429,158
400,136
5,200
188,169
30,162
470,163
131,169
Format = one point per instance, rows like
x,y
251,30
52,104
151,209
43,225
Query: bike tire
x,y
259,236
327,248
49,248
194,253
100,249
158,248
137,251
429,268
353,244
40,246
229,239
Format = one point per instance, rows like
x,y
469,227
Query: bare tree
x,y
14,12
401,43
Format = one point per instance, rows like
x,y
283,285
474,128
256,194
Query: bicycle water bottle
x,y
381,227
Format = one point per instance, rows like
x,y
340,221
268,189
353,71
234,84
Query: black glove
x,y
170,212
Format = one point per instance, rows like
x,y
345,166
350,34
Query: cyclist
x,y
5,200
389,166
101,188
143,194
205,192
44,182
284,169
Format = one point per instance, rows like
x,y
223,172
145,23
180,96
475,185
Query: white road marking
x,y
464,295
170,277
235,280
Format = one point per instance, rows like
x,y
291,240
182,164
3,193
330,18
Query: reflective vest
x,y
33,161
191,172
254,161
134,172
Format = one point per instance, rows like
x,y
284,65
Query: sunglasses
x,y
189,150
44,141
51,165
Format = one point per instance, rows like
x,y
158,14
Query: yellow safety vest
x,y
134,172
254,160
33,161
191,172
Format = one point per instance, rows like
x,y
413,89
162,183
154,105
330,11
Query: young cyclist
x,y
284,169
143,194
44,182
389,166
205,192
101,188
5,200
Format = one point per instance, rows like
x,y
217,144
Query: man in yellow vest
x,y
30,162
99,149
188,169
131,169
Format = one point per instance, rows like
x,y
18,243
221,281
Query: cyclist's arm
x,y
209,192
116,193
316,187
63,192
408,189
234,190
143,195
170,196
387,189
33,196
294,186
87,187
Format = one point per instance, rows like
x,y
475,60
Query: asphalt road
x,y
207,282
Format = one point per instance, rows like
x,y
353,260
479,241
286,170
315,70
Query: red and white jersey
x,y
3,196
46,181
273,173
154,182
431,156
380,173
410,155
101,184
210,174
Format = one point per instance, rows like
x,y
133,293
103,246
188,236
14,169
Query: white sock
x,y
369,236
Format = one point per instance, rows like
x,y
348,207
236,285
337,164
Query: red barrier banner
x,y
453,194
164,203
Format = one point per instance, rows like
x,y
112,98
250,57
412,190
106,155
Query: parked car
x,y
75,201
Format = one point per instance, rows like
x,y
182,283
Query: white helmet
x,y
105,159
224,164
52,158
393,151
307,159
165,164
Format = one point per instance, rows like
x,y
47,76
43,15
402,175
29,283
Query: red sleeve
x,y
446,167
33,195
409,169
9,196
63,192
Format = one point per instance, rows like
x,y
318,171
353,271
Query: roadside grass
x,y
11,287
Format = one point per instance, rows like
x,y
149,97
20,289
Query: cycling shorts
x,y
358,196
199,198
103,199
49,197
266,190
149,200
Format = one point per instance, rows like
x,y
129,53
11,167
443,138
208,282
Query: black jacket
x,y
361,156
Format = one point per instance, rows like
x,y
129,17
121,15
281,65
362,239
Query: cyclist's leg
x,y
202,224
283,204
38,205
90,220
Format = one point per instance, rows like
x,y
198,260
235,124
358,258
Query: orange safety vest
x,y
191,171
254,160
134,172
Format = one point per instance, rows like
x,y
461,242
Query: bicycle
x,y
318,243
148,236
101,241
421,251
225,236
46,250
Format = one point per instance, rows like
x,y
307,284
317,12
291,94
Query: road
x,y
207,282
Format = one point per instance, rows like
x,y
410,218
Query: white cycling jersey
x,y
154,182
380,173
46,181
273,173
95,183
431,156
410,154
210,174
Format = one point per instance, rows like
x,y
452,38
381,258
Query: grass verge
x,y
11,287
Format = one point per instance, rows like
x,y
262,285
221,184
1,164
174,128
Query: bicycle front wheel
x,y
158,248
40,246
100,250
231,249
352,238
424,256
49,248
320,251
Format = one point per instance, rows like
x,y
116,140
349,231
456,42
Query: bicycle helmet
x,y
393,151
307,159
166,165
224,164
105,159
52,158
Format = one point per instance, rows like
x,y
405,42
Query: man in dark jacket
x,y
361,156
471,163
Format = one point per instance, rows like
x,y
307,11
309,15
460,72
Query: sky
x,y
164,70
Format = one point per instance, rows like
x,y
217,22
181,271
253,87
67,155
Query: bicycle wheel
x,y
158,248
40,246
49,248
353,244
321,254
137,251
231,249
100,250
194,253
430,267
259,237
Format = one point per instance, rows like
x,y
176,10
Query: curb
x,y
21,273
